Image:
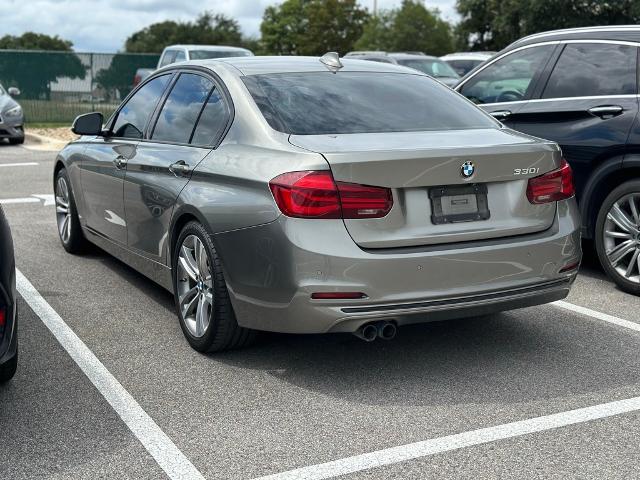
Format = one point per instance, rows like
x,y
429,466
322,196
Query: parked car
x,y
579,87
432,66
464,62
11,116
141,74
271,193
8,309
184,53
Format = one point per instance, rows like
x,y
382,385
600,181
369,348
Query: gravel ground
x,y
59,133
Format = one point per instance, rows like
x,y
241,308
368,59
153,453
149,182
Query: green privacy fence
x,y
58,86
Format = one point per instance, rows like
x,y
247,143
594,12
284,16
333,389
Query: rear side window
x,y
212,120
593,69
134,115
320,103
462,67
508,79
180,56
182,108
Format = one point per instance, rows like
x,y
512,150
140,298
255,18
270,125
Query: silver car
x,y
307,195
11,116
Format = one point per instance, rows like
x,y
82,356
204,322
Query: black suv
x,y
579,88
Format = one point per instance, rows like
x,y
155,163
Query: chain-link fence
x,y
57,86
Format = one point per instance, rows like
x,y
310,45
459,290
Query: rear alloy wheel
x,y
618,236
67,220
202,300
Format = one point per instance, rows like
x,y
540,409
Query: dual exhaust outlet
x,y
382,329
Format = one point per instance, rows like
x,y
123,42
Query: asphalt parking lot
x,y
410,408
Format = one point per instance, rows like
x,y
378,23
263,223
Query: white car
x,y
464,62
183,53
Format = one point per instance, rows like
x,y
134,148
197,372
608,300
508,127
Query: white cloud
x,y
104,25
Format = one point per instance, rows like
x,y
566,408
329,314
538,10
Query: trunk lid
x,y
416,165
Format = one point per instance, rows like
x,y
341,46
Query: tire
x,y
216,329
73,241
16,141
618,242
8,369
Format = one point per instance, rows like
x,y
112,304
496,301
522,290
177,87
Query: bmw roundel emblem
x,y
467,169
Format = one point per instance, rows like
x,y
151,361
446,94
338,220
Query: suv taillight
x,y
314,194
552,186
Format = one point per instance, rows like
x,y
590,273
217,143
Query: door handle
x,y
606,110
501,114
180,168
120,162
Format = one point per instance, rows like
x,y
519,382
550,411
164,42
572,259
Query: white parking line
x,y
605,317
46,199
426,448
412,451
157,443
22,164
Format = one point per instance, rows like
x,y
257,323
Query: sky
x,y
104,25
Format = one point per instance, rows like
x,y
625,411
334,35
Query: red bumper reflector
x,y
3,317
568,268
338,295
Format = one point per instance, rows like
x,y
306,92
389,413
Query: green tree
x,y
117,78
207,29
33,71
412,27
312,27
493,24
35,41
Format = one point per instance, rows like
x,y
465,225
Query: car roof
x,y
408,56
468,56
628,33
207,47
291,64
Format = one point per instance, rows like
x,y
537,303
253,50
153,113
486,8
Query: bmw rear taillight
x,y
315,194
552,186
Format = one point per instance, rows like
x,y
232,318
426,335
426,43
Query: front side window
x,y
324,103
134,115
593,69
508,79
182,108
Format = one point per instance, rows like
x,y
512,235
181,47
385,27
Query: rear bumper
x,y
271,271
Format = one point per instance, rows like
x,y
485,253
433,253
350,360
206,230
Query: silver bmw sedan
x,y
313,195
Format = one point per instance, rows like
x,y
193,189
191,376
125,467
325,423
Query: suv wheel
x,y
618,236
202,300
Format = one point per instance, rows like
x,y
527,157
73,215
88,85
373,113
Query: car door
x,y
587,104
105,161
185,130
503,86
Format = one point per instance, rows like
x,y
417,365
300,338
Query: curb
x,y
41,142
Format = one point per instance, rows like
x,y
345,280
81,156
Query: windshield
x,y
357,102
434,67
204,54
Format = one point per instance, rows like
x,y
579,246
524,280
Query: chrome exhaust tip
x,y
367,332
387,330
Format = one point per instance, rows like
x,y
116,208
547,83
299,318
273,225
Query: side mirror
x,y
13,91
88,124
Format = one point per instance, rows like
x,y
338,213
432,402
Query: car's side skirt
x,y
160,274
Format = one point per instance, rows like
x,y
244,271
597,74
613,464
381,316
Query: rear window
x,y
205,54
356,102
